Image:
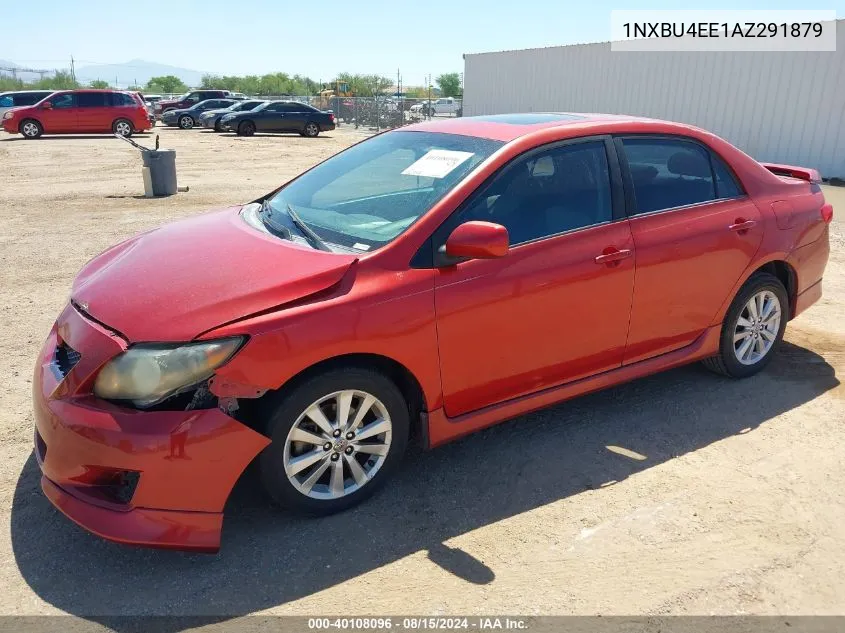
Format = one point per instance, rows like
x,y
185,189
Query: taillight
x,y
827,213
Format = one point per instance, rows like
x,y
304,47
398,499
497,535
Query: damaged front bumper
x,y
154,478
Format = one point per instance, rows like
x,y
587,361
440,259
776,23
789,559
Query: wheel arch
x,y
30,118
123,118
775,265
403,377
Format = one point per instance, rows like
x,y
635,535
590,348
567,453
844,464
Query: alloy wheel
x,y
338,444
757,327
186,122
29,129
123,128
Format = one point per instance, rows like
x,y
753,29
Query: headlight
x,y
147,374
9,115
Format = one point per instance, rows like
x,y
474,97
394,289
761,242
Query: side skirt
x,y
443,429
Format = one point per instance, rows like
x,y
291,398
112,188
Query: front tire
x,y
336,438
247,128
753,328
31,129
186,122
217,126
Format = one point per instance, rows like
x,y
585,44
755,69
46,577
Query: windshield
x,y
368,195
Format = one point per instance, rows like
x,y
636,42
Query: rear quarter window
x,y
119,99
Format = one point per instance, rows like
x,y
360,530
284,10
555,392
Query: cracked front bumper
x,y
153,478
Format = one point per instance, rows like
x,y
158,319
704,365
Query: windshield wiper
x,y
280,231
313,239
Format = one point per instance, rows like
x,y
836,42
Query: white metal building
x,y
782,107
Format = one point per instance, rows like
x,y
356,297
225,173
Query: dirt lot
x,y
735,505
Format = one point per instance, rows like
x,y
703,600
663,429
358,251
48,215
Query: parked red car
x,y
188,100
80,112
432,280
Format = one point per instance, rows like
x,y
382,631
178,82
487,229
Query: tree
x,y
365,85
61,80
167,83
99,83
449,84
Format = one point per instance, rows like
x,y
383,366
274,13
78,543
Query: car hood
x,y
179,112
178,281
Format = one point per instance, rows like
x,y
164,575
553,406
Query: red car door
x,y
695,233
556,307
61,116
93,111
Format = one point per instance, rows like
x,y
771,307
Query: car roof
x,y
18,92
507,127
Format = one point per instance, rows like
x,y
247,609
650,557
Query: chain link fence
x,y
375,113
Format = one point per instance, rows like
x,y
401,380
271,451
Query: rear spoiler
x,y
803,173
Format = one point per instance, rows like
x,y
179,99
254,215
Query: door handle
x,y
613,257
740,225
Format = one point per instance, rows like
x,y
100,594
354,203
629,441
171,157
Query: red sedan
x,y
429,281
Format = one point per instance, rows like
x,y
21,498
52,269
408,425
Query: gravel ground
x,y
733,504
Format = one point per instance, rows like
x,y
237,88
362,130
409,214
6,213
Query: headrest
x,y
685,163
642,174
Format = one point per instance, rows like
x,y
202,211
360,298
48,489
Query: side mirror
x,y
478,240
47,105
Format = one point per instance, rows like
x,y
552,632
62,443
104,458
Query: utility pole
x,y
429,95
72,70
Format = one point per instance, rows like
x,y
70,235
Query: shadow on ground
x,y
269,558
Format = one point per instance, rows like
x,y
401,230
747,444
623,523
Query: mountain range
x,y
135,71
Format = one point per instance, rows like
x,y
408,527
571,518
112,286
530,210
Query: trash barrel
x,y
162,165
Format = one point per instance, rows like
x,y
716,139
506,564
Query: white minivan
x,y
18,98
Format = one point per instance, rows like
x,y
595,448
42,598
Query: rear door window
x,y
668,173
91,99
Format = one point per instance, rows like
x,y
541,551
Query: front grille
x,y
65,358
122,488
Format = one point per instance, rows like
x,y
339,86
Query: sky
x,y
318,38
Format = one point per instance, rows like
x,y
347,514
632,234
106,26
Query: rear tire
x,y
311,130
122,127
31,129
753,328
372,399
247,128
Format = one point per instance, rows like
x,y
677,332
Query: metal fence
x,y
379,113
375,113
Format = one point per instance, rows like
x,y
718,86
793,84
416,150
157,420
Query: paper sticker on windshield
x,y
437,163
